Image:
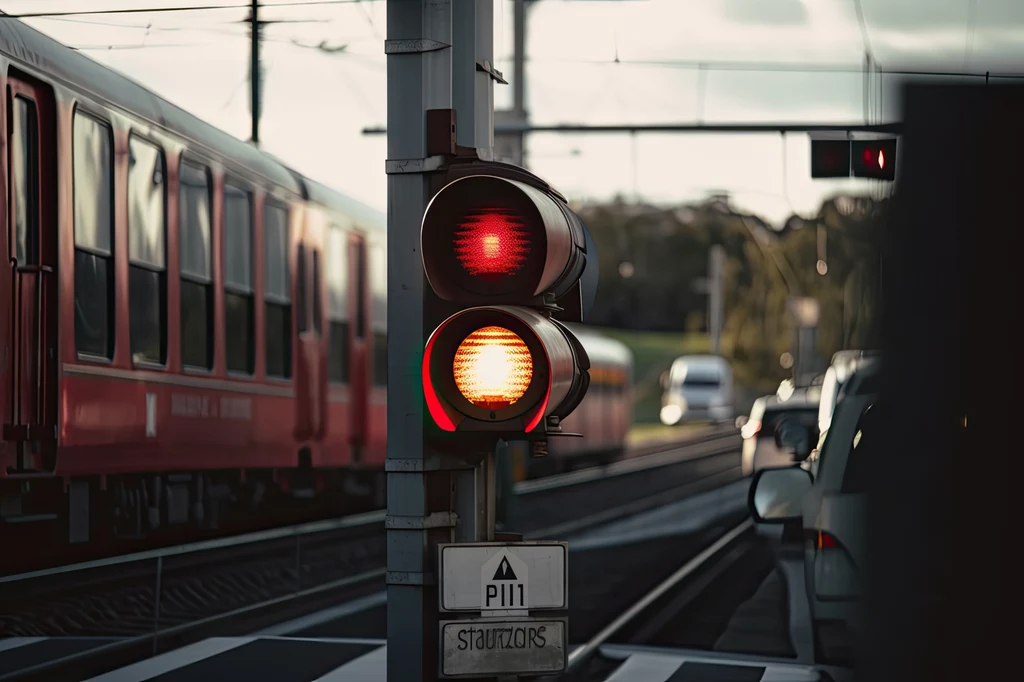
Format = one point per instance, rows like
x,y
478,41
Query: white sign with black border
x,y
504,577
503,646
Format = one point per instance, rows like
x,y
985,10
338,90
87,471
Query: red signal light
x,y
487,239
492,242
874,159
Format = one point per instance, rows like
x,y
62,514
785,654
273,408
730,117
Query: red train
x,y
187,320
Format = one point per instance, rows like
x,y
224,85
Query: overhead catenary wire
x,y
774,67
182,8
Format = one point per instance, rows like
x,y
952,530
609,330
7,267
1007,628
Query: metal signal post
x,y
485,262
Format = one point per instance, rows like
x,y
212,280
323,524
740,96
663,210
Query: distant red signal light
x,y
492,242
875,159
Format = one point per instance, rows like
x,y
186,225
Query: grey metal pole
x,y
472,85
716,304
519,60
419,77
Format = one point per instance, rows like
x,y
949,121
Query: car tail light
x,y
823,539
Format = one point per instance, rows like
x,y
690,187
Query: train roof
x,y
365,216
601,348
23,43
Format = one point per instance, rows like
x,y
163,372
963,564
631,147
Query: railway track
x,y
44,554
206,589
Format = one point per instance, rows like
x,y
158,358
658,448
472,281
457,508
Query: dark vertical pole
x,y
254,71
944,495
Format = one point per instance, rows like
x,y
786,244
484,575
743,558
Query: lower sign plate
x,y
503,646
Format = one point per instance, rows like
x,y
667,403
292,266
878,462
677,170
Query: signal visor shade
x,y
492,368
501,368
486,239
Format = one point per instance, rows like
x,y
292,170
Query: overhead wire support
x,y
633,128
254,70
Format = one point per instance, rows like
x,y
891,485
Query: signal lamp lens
x,y
492,243
493,368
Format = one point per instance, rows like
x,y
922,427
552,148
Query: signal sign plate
x,y
503,646
492,576
503,582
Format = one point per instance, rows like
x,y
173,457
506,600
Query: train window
x,y
25,180
147,283
278,291
94,243
238,290
360,290
196,204
316,293
337,284
380,359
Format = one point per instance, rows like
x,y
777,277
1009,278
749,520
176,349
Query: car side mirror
x,y
794,438
741,421
776,494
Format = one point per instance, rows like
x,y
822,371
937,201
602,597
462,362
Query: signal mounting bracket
x,y
442,129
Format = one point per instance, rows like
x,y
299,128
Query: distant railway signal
x,y
507,249
844,158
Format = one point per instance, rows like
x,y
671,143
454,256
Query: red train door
x,y
317,354
30,421
359,357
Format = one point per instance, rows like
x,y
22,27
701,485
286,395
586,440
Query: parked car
x,y
824,498
760,447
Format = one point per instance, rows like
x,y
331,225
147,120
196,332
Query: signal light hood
x,y
489,239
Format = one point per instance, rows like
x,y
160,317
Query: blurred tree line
x,y
651,257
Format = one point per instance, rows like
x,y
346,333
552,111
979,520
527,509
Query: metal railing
x,y
298,532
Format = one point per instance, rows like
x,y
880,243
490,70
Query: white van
x,y
698,387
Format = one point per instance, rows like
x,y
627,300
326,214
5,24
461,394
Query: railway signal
x,y
502,245
833,157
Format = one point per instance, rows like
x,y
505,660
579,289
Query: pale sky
x,y
316,104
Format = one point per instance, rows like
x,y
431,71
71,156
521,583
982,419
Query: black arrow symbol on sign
x,y
504,571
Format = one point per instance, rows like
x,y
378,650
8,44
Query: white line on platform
x,y
172,660
340,611
15,642
371,667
